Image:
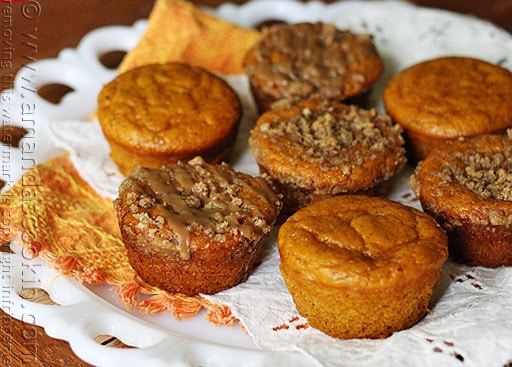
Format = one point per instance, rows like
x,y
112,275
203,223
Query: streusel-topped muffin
x,y
194,227
304,60
467,186
319,148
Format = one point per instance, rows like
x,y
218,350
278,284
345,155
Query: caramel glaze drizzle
x,y
206,195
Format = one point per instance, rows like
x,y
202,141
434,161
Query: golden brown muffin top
x,y
362,241
451,97
328,143
468,179
313,59
172,202
168,108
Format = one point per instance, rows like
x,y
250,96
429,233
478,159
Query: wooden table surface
x,y
39,29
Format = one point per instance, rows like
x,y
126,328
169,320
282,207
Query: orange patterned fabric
x,y
59,217
179,31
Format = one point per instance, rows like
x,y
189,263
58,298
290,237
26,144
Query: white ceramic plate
x,y
404,34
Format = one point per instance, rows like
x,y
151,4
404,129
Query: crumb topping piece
x,y
329,133
489,176
197,196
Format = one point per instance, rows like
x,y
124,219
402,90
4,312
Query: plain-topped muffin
x,y
161,113
446,98
361,267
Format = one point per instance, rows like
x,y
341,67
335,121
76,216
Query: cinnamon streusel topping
x,y
314,59
487,175
176,199
327,134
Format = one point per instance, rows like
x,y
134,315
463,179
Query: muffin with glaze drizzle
x,y
318,148
296,61
194,228
467,186
360,266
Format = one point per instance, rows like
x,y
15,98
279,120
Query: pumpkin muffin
x,y
467,186
446,98
194,228
161,113
361,266
318,148
295,61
